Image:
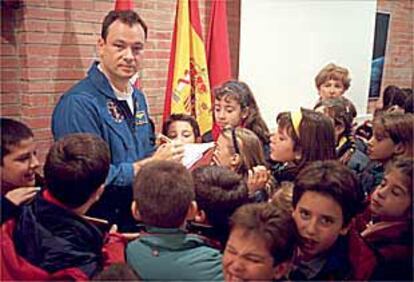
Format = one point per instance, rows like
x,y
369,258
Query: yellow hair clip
x,y
296,118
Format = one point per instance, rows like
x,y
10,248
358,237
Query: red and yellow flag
x,y
218,51
188,89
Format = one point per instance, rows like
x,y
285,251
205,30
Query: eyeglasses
x,y
234,138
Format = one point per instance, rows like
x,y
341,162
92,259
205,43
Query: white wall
x,y
284,44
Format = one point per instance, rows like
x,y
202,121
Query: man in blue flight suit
x,y
106,104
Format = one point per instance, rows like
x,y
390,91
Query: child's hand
x,y
21,195
257,178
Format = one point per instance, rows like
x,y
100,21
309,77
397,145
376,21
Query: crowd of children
x,y
318,199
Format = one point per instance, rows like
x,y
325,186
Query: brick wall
x,y
398,68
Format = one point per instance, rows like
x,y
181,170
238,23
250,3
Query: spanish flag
x,y
188,89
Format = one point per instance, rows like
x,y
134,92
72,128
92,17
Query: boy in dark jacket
x,y
51,238
325,199
18,167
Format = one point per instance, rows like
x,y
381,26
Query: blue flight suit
x,y
92,106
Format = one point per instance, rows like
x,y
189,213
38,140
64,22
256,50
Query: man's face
x,y
121,53
247,258
19,166
319,221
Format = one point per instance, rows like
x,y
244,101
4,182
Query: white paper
x,y
194,152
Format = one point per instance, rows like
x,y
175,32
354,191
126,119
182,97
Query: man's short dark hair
x,y
274,225
76,166
12,133
163,191
128,17
219,192
334,180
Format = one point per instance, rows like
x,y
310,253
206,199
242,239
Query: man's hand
x,y
170,151
173,151
21,195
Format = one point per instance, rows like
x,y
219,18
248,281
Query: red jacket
x,y
15,267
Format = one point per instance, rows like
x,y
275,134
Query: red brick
x,y
34,100
35,86
41,13
35,25
69,74
63,86
10,86
37,122
9,62
89,16
103,6
9,74
35,74
78,27
154,35
10,110
7,50
38,110
36,3
72,5
42,134
9,98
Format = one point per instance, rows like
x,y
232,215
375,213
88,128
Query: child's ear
x,y
98,193
245,113
198,139
135,212
399,149
200,216
281,270
235,160
99,45
344,230
298,154
339,129
192,211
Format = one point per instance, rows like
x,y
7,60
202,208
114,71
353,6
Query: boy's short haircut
x,y
393,95
76,166
334,72
341,110
12,133
409,104
274,225
219,192
334,180
398,126
282,198
163,191
181,117
128,17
